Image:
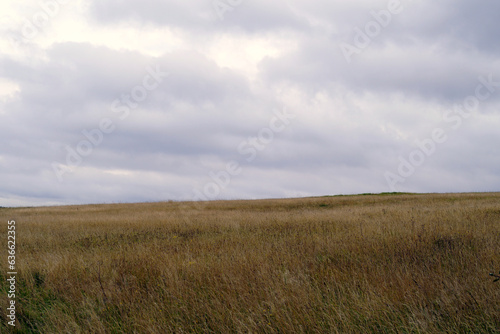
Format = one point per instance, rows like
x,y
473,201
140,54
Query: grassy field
x,y
394,263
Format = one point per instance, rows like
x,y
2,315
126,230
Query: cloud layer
x,y
123,101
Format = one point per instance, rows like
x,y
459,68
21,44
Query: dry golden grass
x,y
348,264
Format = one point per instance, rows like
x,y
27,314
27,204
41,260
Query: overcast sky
x,y
128,101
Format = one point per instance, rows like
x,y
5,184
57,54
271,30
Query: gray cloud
x,y
353,123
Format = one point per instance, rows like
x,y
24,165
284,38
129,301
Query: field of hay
x,y
392,263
